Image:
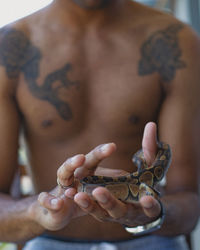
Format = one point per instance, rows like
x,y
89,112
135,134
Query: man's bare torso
x,y
79,88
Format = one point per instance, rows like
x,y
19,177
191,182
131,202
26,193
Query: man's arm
x,y
179,125
15,224
25,218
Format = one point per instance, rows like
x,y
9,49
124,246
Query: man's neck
x,y
70,11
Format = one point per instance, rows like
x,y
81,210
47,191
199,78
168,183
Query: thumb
x,y
150,206
149,142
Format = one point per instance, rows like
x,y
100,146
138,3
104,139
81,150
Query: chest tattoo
x,y
19,55
161,53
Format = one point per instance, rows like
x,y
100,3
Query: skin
x,y
82,79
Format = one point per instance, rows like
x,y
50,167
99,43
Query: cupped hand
x,y
103,205
53,210
60,206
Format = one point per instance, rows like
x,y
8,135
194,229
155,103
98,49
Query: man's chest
x,y
71,88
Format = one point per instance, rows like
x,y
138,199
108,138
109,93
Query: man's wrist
x,y
33,214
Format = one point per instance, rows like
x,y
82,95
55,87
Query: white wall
x,y
11,10
182,10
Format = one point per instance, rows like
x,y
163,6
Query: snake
x,y
131,187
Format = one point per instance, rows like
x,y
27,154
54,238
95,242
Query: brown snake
x,y
131,187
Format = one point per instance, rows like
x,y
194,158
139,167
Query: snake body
x,y
131,187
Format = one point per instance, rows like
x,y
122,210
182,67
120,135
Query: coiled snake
x,y
131,187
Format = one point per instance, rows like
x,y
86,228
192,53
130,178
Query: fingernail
x,y
104,148
54,202
42,196
70,193
83,203
148,204
102,198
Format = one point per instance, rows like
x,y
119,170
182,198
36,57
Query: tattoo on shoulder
x,y
19,55
161,53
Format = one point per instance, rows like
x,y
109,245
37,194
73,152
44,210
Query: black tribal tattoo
x,y
18,54
161,53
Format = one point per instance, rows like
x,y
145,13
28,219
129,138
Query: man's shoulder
x,y
167,45
153,23
16,48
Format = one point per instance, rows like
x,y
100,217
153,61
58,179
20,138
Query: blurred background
x,y
186,10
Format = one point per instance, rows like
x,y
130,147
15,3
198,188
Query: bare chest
x,y
76,87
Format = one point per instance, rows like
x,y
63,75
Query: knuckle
x,y
64,166
111,205
94,209
60,171
96,152
91,209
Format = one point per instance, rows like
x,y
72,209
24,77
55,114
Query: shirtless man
x,y
82,73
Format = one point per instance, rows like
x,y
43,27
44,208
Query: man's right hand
x,y
54,210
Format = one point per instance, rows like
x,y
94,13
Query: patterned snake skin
x,y
131,187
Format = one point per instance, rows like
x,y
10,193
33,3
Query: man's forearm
x,y
16,222
182,212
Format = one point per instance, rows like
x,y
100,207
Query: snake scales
x,y
131,187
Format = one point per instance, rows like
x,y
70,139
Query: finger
x,y
151,206
90,206
70,193
65,173
93,158
149,144
50,202
115,208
